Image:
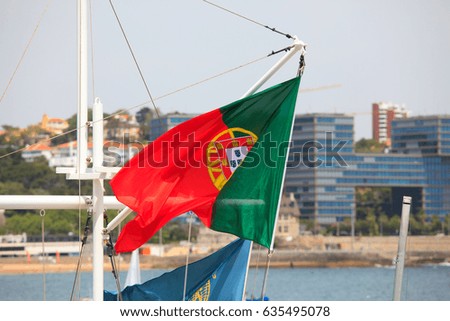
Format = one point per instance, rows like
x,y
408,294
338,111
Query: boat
x,y
94,170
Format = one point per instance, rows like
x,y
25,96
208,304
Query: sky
x,y
367,51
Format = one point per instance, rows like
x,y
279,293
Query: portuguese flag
x,y
227,166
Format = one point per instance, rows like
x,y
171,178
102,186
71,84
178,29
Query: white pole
x,y
246,270
187,256
53,202
82,132
97,217
400,261
297,45
118,219
97,240
97,133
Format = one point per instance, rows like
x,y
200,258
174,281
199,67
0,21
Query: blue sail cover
x,y
218,277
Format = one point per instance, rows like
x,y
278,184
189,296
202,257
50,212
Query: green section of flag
x,y
248,203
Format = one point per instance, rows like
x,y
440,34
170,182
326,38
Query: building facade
x,y
324,170
314,168
382,116
426,135
53,125
159,126
429,137
121,128
32,152
288,225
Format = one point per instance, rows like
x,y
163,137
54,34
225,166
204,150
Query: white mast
x,y
82,116
81,172
97,191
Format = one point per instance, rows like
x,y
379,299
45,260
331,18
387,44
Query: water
x,y
427,283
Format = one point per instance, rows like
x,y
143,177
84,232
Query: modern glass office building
x,y
428,136
159,126
321,147
324,170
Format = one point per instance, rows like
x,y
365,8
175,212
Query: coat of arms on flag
x,y
226,152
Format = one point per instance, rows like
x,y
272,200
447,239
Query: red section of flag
x,y
167,178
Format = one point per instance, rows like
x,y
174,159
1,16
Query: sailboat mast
x,y
82,139
82,115
98,201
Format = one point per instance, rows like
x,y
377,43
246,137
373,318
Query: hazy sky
x,y
384,50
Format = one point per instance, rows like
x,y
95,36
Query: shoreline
x,y
281,259
302,252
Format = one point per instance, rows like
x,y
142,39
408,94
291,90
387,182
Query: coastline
x,y
301,252
281,259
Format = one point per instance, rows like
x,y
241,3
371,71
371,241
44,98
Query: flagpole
x,y
118,219
280,196
246,270
187,256
296,46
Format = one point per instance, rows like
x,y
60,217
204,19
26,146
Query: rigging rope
x,y
207,79
144,103
248,19
80,257
26,50
111,253
266,274
191,218
142,77
252,296
135,60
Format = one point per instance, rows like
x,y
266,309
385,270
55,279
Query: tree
x,y
393,226
71,130
143,117
11,137
447,224
369,146
436,224
33,134
384,220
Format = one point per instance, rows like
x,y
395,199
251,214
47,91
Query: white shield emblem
x,y
235,156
